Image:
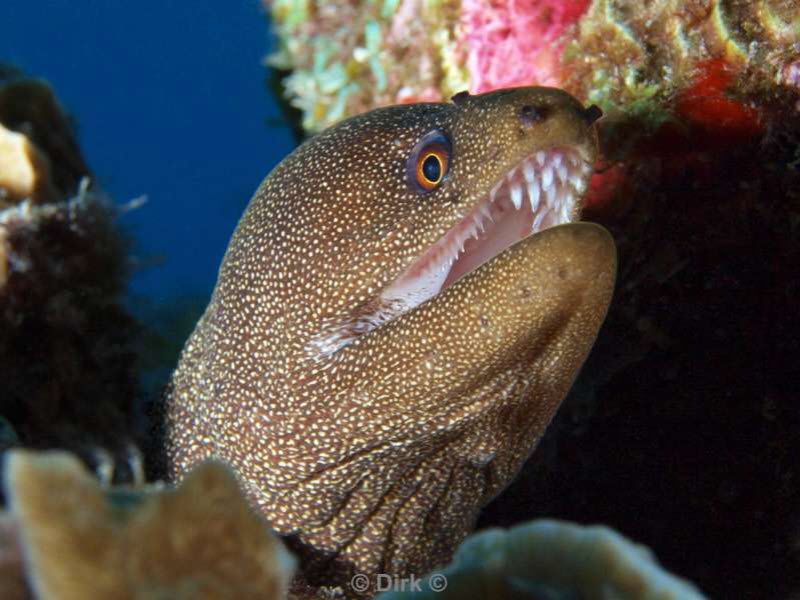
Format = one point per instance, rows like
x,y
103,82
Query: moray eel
x,y
387,341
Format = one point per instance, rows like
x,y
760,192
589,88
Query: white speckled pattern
x,y
378,455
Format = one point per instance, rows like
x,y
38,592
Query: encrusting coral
x,y
83,541
552,559
623,55
628,52
346,58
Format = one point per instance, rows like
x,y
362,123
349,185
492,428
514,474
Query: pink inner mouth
x,y
541,191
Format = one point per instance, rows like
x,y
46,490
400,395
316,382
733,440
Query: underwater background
x,y
682,430
169,102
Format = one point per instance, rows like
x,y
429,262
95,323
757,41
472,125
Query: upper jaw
x,y
542,190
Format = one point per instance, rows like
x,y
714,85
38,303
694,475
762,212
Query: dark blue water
x,y
170,102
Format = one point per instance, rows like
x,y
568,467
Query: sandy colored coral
x,y
86,542
553,559
24,171
12,577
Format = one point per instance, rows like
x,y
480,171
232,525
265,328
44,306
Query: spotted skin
x,y
378,458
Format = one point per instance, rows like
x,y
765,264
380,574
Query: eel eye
x,y
429,161
431,167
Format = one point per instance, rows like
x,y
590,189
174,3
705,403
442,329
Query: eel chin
x,y
542,191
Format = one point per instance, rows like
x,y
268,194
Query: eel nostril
x,y
592,114
459,98
530,114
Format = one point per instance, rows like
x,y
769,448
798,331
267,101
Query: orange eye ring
x,y
429,162
431,167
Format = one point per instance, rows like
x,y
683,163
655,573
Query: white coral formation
x,y
553,559
23,169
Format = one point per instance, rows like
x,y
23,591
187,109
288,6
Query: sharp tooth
x,y
564,198
511,174
587,168
578,183
516,196
493,193
538,220
563,172
552,194
485,212
540,156
566,213
529,172
533,194
547,177
557,161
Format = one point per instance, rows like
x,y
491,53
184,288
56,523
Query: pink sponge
x,y
516,42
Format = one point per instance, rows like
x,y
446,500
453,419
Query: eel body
x,y
400,311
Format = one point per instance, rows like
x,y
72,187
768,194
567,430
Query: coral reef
x,y
67,351
625,56
347,58
201,540
552,559
518,42
339,70
636,56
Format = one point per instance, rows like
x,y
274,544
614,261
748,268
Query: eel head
x,y
402,308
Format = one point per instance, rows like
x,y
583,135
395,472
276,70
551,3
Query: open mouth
x,y
542,191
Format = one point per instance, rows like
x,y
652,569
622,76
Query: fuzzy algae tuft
x,y
67,353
